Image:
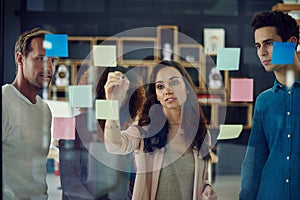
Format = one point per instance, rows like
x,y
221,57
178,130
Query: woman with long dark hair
x,y
170,141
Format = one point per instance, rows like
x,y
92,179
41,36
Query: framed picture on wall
x,y
189,53
167,41
214,38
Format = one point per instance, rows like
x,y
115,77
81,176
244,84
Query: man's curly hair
x,y
285,25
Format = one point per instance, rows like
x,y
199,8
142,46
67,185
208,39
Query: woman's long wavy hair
x,y
192,115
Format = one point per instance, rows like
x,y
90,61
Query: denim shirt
x,y
271,168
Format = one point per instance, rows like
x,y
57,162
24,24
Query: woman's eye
x,y
159,87
174,82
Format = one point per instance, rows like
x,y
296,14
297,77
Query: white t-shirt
x,y
26,133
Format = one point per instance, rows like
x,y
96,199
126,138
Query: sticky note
x,y
228,58
56,45
107,109
241,89
64,128
283,52
59,108
229,131
104,55
81,96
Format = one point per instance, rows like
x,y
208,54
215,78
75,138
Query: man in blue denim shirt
x,y
271,168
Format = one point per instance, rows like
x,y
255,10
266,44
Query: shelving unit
x,y
134,51
287,8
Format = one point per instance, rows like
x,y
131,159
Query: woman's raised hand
x,y
116,86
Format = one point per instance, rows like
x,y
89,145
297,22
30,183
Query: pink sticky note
x,y
241,89
64,128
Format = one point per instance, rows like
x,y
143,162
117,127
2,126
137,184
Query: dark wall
x,y
106,18
109,17
12,28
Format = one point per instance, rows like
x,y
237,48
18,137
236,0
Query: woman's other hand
x,y
208,193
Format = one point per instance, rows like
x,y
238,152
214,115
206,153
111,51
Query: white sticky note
x,y
59,108
81,96
229,131
107,109
228,58
105,55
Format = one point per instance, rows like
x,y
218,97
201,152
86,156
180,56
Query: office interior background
x,y
109,17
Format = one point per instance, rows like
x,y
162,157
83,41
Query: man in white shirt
x,y
26,120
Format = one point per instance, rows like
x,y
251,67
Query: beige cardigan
x,y
149,165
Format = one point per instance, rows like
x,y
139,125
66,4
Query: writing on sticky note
x,y
228,58
104,55
107,109
64,128
81,96
56,45
241,89
283,52
229,131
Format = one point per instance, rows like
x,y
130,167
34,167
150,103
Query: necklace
x,y
174,123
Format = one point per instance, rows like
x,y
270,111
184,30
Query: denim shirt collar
x,y
278,85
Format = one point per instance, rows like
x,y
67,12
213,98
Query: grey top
x,y
176,180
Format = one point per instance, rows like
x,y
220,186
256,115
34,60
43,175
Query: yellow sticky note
x,y
107,109
105,55
59,108
229,131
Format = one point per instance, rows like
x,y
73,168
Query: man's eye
x,y
54,60
41,58
270,43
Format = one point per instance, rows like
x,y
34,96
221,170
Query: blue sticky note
x,y
56,45
81,96
228,58
283,52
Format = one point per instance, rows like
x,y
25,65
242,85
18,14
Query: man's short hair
x,y
286,26
23,43
24,40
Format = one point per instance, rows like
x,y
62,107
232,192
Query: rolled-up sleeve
x,y
130,141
